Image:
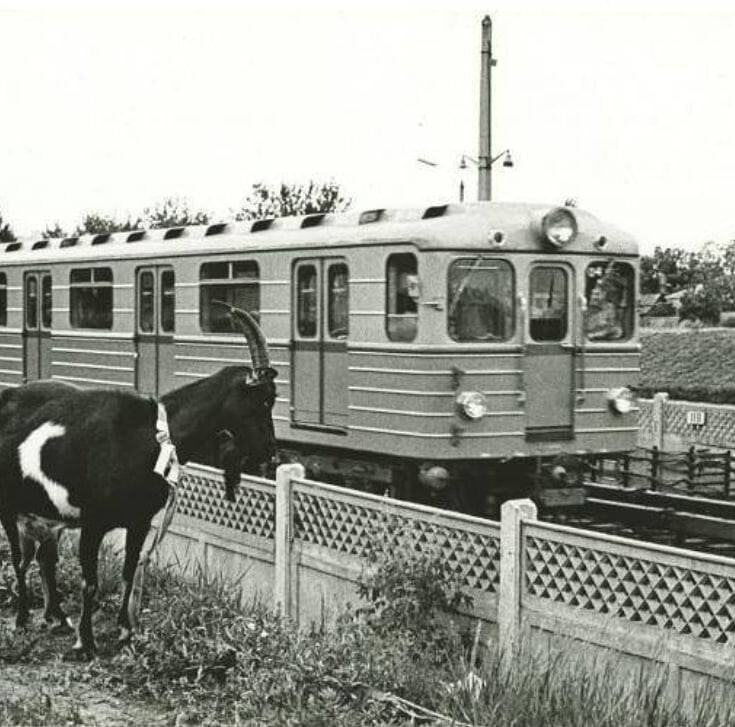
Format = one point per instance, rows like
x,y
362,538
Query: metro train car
x,y
460,348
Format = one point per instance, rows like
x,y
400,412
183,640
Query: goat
x,y
74,458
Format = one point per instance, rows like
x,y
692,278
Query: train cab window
x,y
548,303
3,299
168,301
402,294
146,302
32,302
46,301
609,291
481,300
90,298
306,301
233,282
338,303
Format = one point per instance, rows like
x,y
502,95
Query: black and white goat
x,y
86,458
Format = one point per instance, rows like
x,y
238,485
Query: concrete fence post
x,y
512,514
658,418
283,536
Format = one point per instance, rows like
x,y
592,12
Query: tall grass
x,y
204,654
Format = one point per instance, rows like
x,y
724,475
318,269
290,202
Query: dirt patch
x,y
39,685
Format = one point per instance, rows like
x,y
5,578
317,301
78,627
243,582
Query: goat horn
x,y
253,335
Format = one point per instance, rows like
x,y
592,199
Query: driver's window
x,y
338,301
548,302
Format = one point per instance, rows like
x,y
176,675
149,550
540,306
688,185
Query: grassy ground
x,y
202,657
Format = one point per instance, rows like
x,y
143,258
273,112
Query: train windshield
x,y
609,290
480,300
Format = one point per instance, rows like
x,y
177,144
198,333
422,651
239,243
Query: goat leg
x,y
47,556
127,616
10,524
89,545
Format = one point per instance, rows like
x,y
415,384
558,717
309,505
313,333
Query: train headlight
x,y
472,404
620,399
559,227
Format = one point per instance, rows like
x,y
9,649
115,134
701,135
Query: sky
x,y
628,107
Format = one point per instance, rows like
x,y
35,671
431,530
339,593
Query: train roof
x,y
482,226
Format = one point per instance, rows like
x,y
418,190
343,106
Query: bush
x,y
701,305
661,309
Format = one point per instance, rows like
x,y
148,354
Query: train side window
x,y
146,302
233,282
609,291
306,301
402,293
90,298
548,303
32,302
168,301
46,301
338,308
3,299
481,300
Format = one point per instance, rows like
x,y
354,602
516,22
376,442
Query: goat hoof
x,y
125,636
59,625
80,653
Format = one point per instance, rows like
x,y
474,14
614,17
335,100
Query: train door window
x,y
168,301
548,301
90,298
46,301
146,302
609,292
402,293
32,302
338,301
233,282
306,301
481,300
3,299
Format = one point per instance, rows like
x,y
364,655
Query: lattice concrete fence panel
x,y
302,545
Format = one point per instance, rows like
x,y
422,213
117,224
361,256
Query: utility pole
x,y
484,168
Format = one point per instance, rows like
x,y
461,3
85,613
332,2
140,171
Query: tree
x,y
173,212
285,200
6,233
96,224
54,232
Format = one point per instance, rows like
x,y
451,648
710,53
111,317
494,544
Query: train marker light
x,y
620,399
559,227
472,404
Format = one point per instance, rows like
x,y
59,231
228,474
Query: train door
x,y
549,360
37,306
320,328
155,321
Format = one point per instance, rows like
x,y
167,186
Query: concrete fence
x,y
302,546
674,426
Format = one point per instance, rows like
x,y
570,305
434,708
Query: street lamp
x,y
507,162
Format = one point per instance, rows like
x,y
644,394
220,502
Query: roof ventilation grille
x,y
39,245
437,211
312,220
173,233
13,246
69,242
370,216
217,229
101,239
136,236
261,225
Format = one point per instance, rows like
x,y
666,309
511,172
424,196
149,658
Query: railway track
x,y
696,523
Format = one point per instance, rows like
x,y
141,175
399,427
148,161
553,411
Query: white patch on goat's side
x,y
29,456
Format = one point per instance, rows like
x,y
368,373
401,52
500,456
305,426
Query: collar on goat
x,y
167,464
